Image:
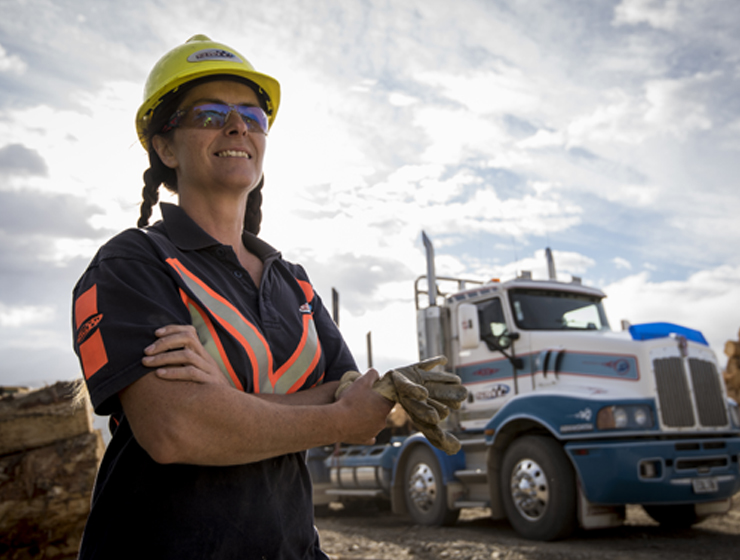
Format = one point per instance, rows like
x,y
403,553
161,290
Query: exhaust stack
x,y
431,274
550,264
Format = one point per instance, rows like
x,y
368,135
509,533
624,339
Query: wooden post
x,y
335,306
732,371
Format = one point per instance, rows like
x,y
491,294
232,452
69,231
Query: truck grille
x,y
675,396
708,393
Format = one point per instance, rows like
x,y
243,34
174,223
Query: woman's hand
x,y
364,410
178,355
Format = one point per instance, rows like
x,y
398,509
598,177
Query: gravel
x,y
368,532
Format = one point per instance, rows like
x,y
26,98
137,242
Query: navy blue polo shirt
x,y
275,338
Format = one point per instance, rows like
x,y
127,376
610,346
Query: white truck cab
x,y
566,421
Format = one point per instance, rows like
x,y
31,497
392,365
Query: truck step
x,y
477,442
471,504
357,492
474,475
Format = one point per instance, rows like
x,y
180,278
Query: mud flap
x,y
711,508
595,516
455,493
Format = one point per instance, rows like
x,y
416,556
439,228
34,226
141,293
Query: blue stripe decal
x,y
614,366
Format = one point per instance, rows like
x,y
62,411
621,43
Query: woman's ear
x,y
161,145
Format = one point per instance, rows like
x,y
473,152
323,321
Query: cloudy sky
x,y
608,130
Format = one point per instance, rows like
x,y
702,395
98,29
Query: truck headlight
x,y
623,417
642,417
620,417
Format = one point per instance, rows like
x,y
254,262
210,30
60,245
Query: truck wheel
x,y
426,495
538,489
674,516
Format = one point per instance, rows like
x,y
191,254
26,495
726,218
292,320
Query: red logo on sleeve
x,y
89,340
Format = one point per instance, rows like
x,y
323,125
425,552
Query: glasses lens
x,y
254,117
207,115
214,115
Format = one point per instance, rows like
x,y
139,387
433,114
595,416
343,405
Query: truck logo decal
x,y
620,366
495,392
584,414
486,372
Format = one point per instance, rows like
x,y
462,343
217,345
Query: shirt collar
x,y
189,236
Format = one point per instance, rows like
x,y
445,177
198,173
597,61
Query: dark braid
x,y
253,215
157,174
150,196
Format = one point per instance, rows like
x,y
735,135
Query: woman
x,y
214,357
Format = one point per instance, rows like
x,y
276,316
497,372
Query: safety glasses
x,y
214,115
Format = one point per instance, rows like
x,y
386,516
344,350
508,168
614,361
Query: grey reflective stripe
x,y
302,362
232,321
204,335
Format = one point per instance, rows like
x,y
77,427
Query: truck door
x,y
498,335
482,363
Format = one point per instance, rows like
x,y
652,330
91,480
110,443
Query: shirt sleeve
x,y
123,297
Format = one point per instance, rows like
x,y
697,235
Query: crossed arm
x,y
184,411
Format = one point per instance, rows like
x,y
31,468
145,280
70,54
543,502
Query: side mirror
x,y
504,340
468,326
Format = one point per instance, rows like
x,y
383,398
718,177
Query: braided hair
x,y
159,174
253,215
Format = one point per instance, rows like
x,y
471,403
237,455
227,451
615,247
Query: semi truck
x,y
566,421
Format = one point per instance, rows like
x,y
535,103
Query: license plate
x,y
704,485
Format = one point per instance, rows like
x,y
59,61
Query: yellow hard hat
x,y
196,58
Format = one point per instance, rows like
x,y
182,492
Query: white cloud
x,y
400,99
616,116
543,139
636,196
674,105
25,315
500,89
662,14
11,63
619,262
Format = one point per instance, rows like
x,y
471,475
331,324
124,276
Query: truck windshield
x,y
554,310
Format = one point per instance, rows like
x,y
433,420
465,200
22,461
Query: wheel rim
x,y
529,490
422,487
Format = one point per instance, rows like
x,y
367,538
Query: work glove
x,y
426,396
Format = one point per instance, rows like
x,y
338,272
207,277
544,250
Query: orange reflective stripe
x,y
292,374
294,371
307,289
92,349
210,340
93,354
233,321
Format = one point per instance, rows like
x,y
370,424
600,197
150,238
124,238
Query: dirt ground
x,y
367,533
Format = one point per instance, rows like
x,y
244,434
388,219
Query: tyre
x,y
426,495
680,516
538,489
